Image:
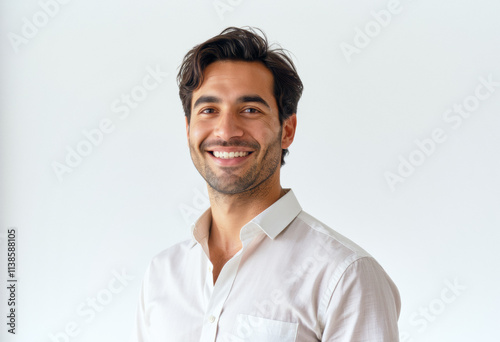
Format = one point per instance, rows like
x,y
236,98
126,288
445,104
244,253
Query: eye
x,y
251,110
207,111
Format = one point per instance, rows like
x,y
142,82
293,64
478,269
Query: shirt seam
x,y
333,283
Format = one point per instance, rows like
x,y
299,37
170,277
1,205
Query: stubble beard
x,y
248,184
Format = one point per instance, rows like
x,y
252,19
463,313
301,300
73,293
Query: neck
x,y
231,212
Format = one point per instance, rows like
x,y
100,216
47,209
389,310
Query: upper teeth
x,y
228,155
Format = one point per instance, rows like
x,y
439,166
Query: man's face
x,y
234,134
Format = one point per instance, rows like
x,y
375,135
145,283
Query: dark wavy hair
x,y
242,45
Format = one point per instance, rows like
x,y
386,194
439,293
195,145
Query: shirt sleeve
x,y
140,328
364,306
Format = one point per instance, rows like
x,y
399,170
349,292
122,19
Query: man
x,y
257,268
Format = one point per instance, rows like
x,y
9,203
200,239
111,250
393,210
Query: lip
x,y
229,149
229,162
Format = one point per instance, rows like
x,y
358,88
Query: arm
x,y
140,331
364,306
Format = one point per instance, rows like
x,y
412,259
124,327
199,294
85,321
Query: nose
x,y
228,126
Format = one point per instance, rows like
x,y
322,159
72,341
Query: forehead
x,y
234,78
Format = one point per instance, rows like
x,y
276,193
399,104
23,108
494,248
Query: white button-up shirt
x,y
295,279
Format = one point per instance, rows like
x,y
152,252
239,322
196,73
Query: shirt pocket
x,y
253,329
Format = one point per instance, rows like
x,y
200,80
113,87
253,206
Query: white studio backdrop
x,y
397,148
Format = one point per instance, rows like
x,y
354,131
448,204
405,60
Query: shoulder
x,y
339,258
181,247
352,276
172,259
328,233
313,248
344,255
312,233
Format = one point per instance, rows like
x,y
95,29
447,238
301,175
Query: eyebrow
x,y
242,99
206,99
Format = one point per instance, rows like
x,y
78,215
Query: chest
x,y
256,298
218,260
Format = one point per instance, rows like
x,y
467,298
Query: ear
x,y
288,131
187,127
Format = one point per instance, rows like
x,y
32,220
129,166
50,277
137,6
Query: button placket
x,y
218,296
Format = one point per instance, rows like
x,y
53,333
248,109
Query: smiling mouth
x,y
229,155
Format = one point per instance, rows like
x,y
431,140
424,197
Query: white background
x,y
134,193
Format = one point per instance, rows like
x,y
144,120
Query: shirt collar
x,y
279,215
200,230
271,221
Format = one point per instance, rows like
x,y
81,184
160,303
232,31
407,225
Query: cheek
x,y
264,129
198,133
271,134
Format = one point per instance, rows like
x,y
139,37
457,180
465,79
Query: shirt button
x,y
211,319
